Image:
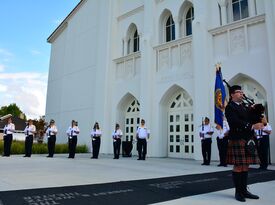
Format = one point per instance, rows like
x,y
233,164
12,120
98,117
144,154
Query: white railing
x,y
174,54
238,37
128,67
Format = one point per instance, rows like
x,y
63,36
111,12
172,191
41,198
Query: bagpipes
x,y
256,111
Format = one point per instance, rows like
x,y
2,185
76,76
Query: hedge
x,y
18,147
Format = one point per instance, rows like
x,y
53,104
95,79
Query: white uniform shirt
x,y
260,133
72,131
51,131
30,130
203,131
117,134
96,133
9,129
225,129
143,132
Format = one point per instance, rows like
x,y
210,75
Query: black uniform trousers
x,y
51,145
206,150
222,147
116,145
72,146
7,145
141,148
96,146
263,146
28,145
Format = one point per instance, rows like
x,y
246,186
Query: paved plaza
x,y
18,173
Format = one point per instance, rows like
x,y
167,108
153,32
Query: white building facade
x,y
118,61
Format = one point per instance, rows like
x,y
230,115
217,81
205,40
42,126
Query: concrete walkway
x,y
19,173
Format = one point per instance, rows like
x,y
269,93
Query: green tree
x,y
12,109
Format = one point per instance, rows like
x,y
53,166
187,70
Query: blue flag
x,y
220,95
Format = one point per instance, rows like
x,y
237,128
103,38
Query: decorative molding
x,y
237,41
127,66
174,54
125,58
238,24
173,43
130,13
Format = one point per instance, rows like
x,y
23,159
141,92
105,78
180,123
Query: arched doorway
x,y
180,126
131,123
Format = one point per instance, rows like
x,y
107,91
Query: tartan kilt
x,y
238,155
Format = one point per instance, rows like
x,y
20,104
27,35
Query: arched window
x,y
132,39
239,9
188,21
136,42
170,29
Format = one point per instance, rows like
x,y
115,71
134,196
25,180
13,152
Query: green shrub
x,y
18,147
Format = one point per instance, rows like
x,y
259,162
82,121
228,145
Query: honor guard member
x,y
51,134
222,141
72,133
206,133
262,136
9,129
142,135
96,139
241,131
117,134
29,131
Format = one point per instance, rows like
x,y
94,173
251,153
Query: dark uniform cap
x,y
233,88
52,121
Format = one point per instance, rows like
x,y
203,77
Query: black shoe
x,y
139,159
262,168
203,164
239,197
225,165
219,165
249,195
25,156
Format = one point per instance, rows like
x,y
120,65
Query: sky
x,y
25,26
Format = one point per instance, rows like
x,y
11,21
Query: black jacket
x,y
239,121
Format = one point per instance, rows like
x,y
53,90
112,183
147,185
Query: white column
x,y
223,4
204,72
125,46
177,27
270,22
147,76
251,8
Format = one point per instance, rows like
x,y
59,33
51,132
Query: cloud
x,y
3,88
5,55
2,67
35,52
27,90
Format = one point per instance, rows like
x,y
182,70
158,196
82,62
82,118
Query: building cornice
x,y
64,23
130,13
237,24
128,57
165,45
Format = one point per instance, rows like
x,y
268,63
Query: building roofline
x,y
64,23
